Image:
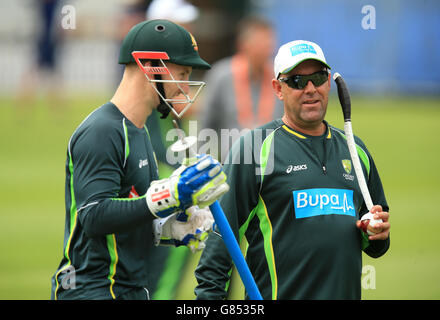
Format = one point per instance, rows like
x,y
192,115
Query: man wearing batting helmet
x,y
116,208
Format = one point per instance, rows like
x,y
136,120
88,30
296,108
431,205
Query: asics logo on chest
x,y
294,168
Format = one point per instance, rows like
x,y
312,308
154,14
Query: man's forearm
x,y
377,248
114,215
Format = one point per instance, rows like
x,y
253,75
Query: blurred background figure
x,y
133,12
43,75
238,87
180,11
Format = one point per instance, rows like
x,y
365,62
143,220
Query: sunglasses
x,y
300,81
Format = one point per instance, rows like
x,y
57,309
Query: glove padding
x,y
199,181
190,229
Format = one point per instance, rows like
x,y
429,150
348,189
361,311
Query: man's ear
x,y
276,85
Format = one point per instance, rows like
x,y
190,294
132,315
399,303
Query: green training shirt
x,y
296,199
108,234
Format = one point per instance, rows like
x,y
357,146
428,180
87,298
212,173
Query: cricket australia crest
x,y
346,164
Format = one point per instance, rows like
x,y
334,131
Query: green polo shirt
x,y
296,199
108,234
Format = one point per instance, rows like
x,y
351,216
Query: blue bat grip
x,y
235,252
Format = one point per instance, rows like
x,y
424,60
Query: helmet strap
x,y
162,107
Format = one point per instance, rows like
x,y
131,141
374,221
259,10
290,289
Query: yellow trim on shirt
x,y
293,132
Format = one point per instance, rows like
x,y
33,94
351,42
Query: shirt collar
x,y
303,135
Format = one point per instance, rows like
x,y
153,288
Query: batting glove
x,y
199,181
192,233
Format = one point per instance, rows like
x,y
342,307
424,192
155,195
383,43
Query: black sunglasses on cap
x,y
300,81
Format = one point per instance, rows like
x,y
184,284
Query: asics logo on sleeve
x,y
143,163
323,201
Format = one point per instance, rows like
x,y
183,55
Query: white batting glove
x,y
191,233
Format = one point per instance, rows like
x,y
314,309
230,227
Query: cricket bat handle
x,y
344,99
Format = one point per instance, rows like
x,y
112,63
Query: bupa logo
x,y
323,201
302,48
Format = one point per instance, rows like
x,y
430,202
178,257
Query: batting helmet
x,y
164,36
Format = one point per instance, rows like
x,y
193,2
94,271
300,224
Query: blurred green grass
x,y
400,132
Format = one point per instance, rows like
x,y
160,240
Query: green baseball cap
x,y
163,36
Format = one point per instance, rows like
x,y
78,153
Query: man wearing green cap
x,y
296,199
116,208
